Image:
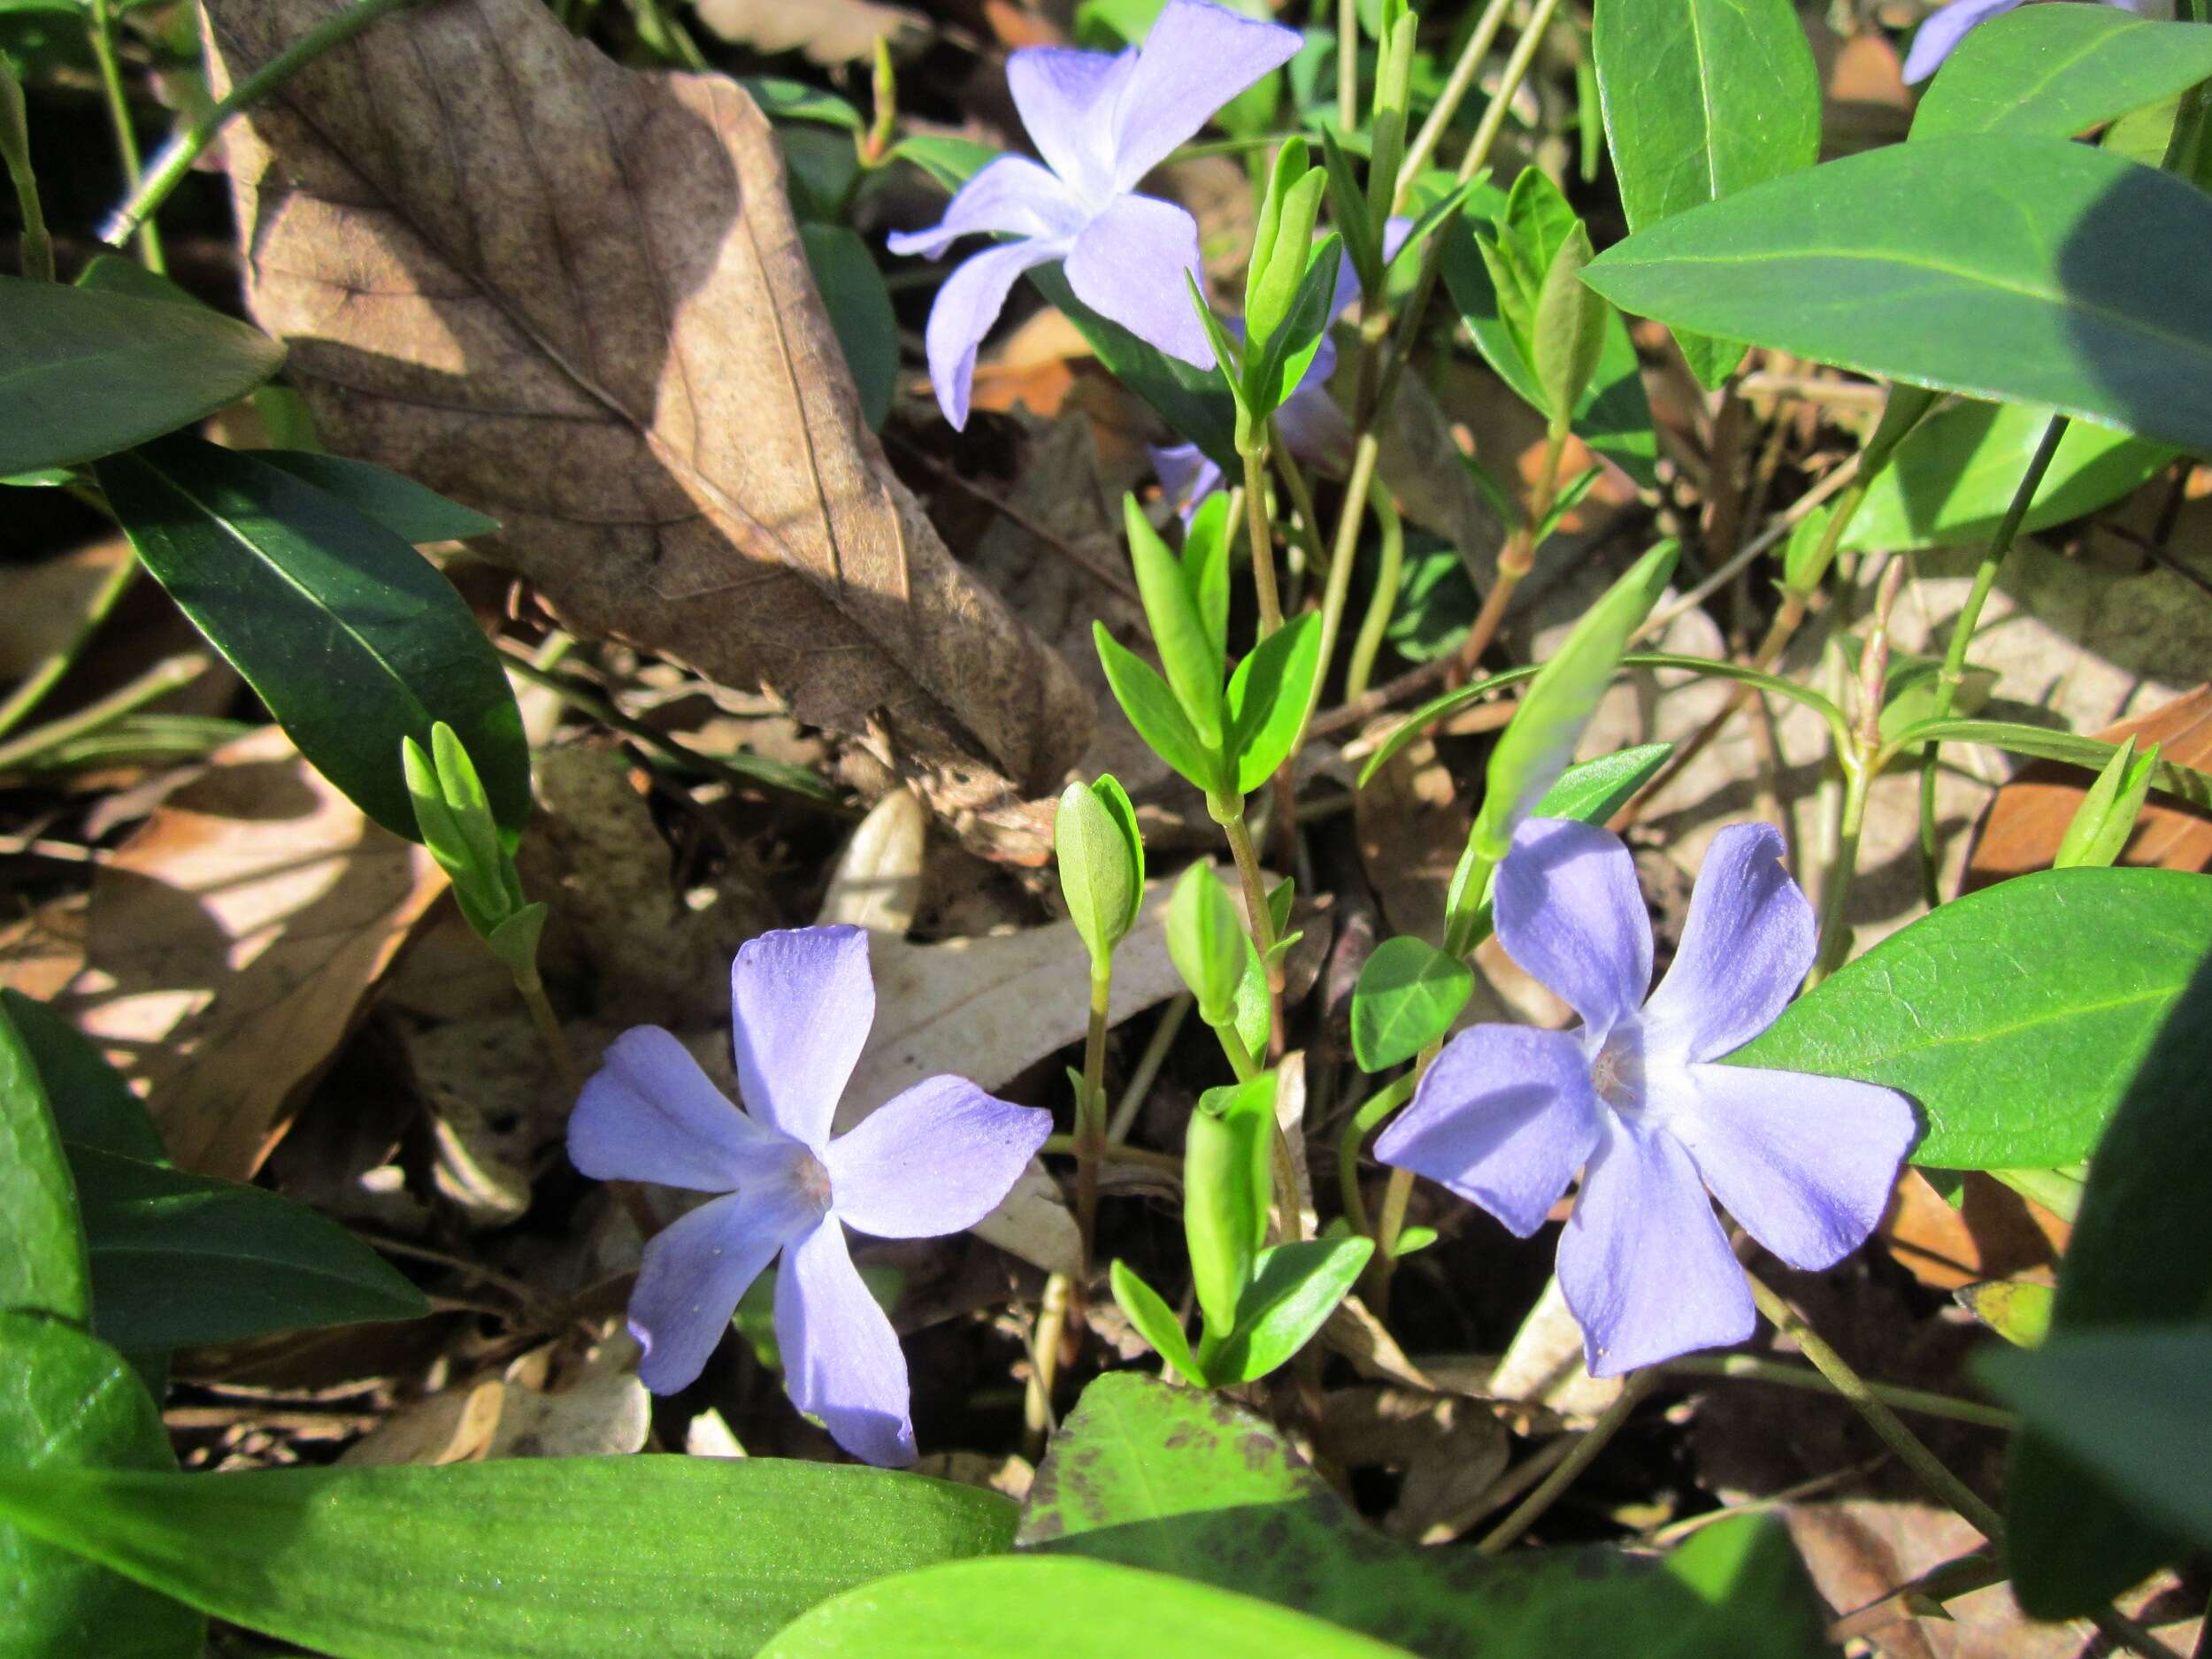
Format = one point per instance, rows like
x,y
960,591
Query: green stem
x,y
1090,1115
1358,490
1750,1368
1293,476
1449,100
1347,66
1148,1065
1884,1422
1241,1060
1518,557
1383,605
158,682
1835,932
1263,541
1954,671
548,1025
48,671
100,27
34,252
1063,1147
190,143
1261,919
1571,1467
1369,1115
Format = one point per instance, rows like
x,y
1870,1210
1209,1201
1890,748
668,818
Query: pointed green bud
x,y
1228,1187
1569,328
1206,942
2106,815
1100,858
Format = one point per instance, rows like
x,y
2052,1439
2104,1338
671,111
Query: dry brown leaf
x,y
1993,1233
2029,817
573,296
827,31
234,940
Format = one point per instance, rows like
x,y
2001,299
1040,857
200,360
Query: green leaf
x,y
1274,369
2020,1063
989,1609
1206,568
2133,1407
2090,753
2105,817
92,1106
1953,478
2141,1253
84,374
1155,1320
401,505
1408,995
1152,708
1100,860
2018,1309
1205,940
1227,1186
43,1265
1185,1482
948,160
1293,1289
781,99
1567,332
348,634
1194,402
67,1401
1703,99
1534,751
180,1260
859,308
1268,697
2055,72
1596,789
2022,269
1180,632
555,1558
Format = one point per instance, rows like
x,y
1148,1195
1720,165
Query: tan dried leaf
x,y
234,941
827,31
573,296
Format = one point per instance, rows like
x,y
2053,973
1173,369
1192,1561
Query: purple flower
x,y
1309,419
937,1159
1507,1113
1949,26
1102,121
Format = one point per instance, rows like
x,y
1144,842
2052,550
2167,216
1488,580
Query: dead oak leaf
x,y
233,942
573,296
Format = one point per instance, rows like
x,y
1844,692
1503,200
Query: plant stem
x,y
1262,543
1515,71
1449,100
1389,572
1241,1059
1518,557
1259,918
163,678
1347,66
35,250
548,1025
1884,1422
100,27
47,672
1571,1467
1835,932
1044,1363
1358,488
1371,1113
1063,1147
1293,477
1750,1368
1954,671
1090,1115
187,146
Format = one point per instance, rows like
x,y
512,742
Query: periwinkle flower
x,y
1102,121
1633,1099
1309,419
1940,35
935,1159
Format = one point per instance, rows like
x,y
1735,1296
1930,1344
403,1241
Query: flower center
x,y
812,1181
1616,1071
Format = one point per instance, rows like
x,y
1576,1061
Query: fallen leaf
x,y
454,1426
1449,1452
587,311
1543,1365
234,941
878,881
827,31
2029,817
1993,1233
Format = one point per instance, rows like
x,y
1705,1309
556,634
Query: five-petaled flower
x,y
1309,419
1942,32
935,1159
1102,121
1507,1113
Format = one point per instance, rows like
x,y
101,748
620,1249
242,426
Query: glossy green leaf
x,y
1151,704
1273,372
180,1260
781,99
1596,789
1194,402
1101,863
68,1401
859,308
1703,99
1155,1320
2018,1058
1186,1482
1408,995
85,372
2105,817
401,505
1293,1289
43,1265
1227,1186
345,632
1951,481
2090,753
989,1609
1268,697
2141,1253
1569,329
91,1104
2133,1407
554,1559
949,160
1179,632
2054,71
1206,941
1206,568
2022,269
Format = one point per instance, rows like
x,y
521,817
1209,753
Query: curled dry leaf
x,y
234,940
573,296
